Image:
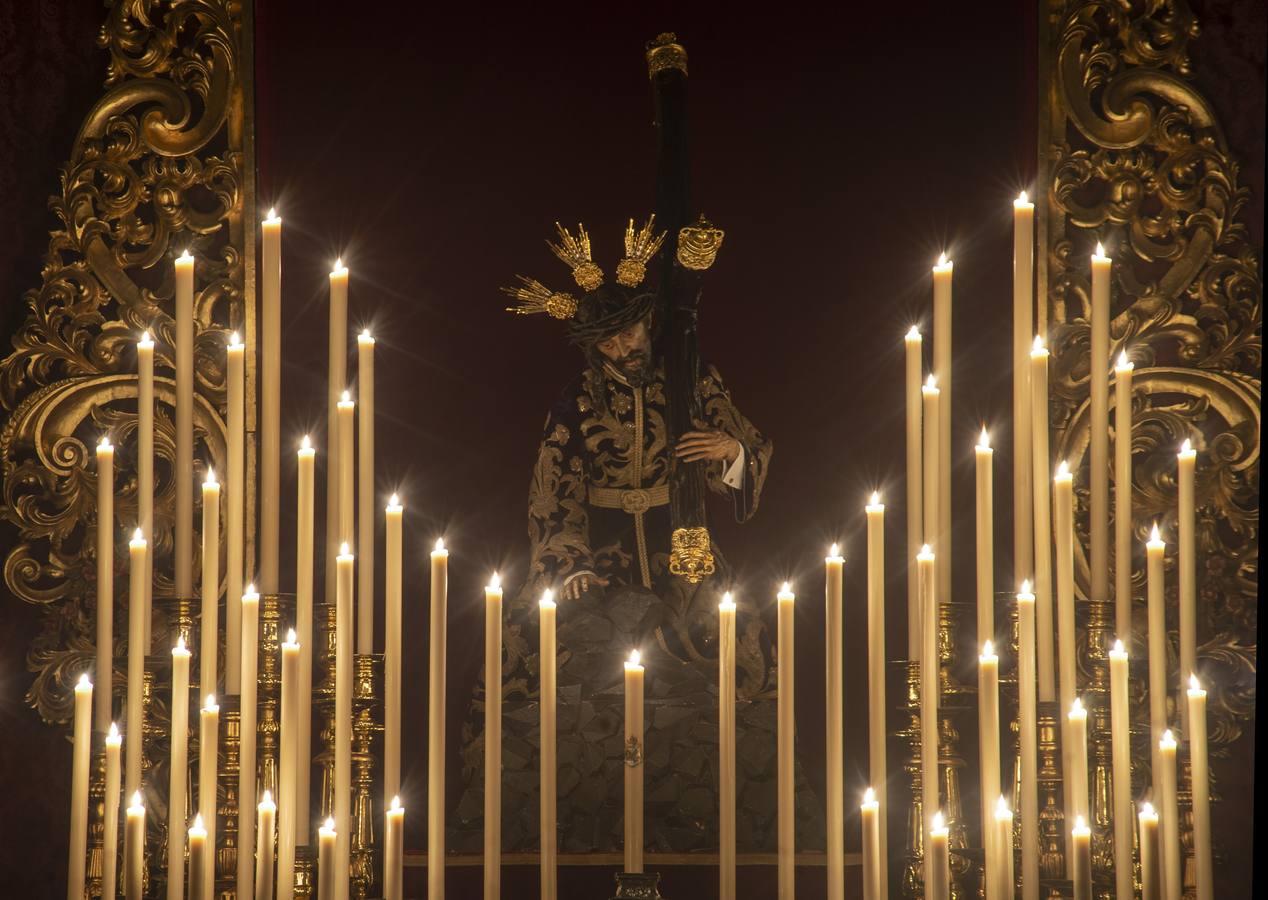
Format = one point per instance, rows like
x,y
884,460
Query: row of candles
x,y
928,482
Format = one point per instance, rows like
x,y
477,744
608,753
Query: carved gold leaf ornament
x,y
698,244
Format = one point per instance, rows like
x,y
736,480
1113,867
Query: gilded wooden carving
x,y
161,163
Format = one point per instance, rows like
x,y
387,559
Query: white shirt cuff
x,y
733,476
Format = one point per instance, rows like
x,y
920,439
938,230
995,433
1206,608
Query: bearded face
x,y
629,351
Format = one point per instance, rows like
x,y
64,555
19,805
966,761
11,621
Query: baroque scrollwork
x,y
1137,159
157,167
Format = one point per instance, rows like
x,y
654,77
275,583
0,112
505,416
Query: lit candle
x,y
136,661
134,848
1155,550
208,762
915,502
1150,864
1200,777
939,885
346,412
1076,730
1082,851
110,823
1063,532
726,748
988,739
634,765
270,363
210,625
929,690
1186,459
930,396
1005,885
869,811
1123,498
326,875
178,769
1120,734
337,378
1098,441
985,540
394,513
1043,519
1023,329
1028,743
198,860
184,462
492,726
878,770
942,364
250,621
105,583
266,813
145,468
835,754
365,494
1170,818
306,457
343,717
548,695
786,824
436,721
80,757
288,763
394,851
235,505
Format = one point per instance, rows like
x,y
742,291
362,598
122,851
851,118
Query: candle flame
x,y
931,383
1187,446
1194,684
114,732
210,702
440,545
869,796
146,337
198,823
925,550
1168,739
365,335
913,333
344,549
104,443
634,658
345,397
1100,249
875,498
396,804
988,648
984,440
234,340
1147,809
1023,198
138,536
211,476
137,801
180,644
267,802
942,258
1080,824
728,602
495,582
1063,470
1001,807
272,213
548,599
1123,361
1118,646
329,825
250,595
834,550
291,636
185,254
1038,344
1025,587
785,588
1076,706
1154,535
306,443
83,681
394,500
939,823
338,265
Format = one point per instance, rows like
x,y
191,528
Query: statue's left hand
x,y
712,444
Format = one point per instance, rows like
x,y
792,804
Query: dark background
x,y
434,149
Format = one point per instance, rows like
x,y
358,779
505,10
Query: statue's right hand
x,y
579,585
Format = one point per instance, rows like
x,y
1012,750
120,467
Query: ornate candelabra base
x,y
637,886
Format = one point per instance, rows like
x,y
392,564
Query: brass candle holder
x,y
367,724
912,880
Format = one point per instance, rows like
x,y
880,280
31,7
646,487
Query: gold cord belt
x,y
635,500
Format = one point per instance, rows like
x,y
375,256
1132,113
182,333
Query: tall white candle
x,y
136,662
304,632
393,515
835,727
1120,734
878,770
786,823
436,722
1063,531
343,717
929,691
1150,861
1076,730
548,829
394,851
210,584
868,814
145,469
235,521
1170,818
270,367
726,748
938,887
134,848
634,754
983,458
365,494
288,763
915,494
1006,885
1028,743
1123,500
266,815
105,584
1098,441
199,860
492,731
184,463
346,412
1081,850
1155,550
1201,779
930,402
178,770
942,365
327,838
208,765
988,739
1023,329
81,755
337,379
110,825
1186,568
250,608
1043,520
